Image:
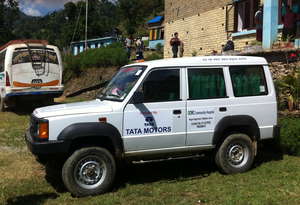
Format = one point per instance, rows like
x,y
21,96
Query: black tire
x,y
236,154
97,169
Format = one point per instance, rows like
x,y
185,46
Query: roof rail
x,y
28,41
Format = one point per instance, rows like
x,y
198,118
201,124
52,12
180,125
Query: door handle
x,y
176,112
222,109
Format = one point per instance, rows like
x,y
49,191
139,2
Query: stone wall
x,y
203,27
178,9
200,33
278,62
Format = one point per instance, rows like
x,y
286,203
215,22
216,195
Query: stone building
x,y
205,25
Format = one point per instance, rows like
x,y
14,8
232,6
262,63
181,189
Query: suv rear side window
x,y
162,86
248,80
206,83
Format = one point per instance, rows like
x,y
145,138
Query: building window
x,y
244,14
156,34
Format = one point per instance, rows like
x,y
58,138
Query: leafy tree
x,y
8,14
62,27
135,12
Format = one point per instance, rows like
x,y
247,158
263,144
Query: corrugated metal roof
x,y
157,19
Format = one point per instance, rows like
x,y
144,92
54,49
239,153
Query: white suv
x,y
161,109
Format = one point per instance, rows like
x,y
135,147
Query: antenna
x,y
86,23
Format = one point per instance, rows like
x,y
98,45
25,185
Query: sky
x,y
41,7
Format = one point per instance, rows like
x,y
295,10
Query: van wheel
x,y
89,171
2,105
236,154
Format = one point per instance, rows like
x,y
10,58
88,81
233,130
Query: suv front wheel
x,y
236,154
89,171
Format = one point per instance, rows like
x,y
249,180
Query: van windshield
x,y
122,83
34,55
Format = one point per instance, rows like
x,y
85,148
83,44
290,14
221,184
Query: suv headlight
x,y
39,129
43,131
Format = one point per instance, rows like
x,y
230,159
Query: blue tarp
x,y
157,19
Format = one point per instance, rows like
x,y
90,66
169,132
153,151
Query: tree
x,y
135,12
8,14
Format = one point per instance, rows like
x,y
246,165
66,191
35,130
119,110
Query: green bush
x,y
289,138
146,43
154,56
159,48
288,89
113,55
115,45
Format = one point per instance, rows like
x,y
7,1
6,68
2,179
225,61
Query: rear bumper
x,y
57,93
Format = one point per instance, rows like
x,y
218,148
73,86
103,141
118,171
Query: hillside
x,y
88,79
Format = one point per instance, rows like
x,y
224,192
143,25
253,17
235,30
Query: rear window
x,y
34,55
248,81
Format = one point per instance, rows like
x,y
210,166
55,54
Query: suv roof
x,y
206,61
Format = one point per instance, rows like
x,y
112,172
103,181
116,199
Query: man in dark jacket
x,y
175,43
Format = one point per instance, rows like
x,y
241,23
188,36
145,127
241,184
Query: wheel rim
x,y
90,172
238,155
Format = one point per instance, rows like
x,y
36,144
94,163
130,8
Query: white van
x,y
30,70
157,110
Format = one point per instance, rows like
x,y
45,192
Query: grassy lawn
x,y
275,178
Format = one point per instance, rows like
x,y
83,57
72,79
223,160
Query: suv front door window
x,y
161,86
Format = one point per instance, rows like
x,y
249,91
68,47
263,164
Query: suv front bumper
x,y
46,148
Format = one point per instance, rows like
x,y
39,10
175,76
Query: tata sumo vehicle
x,y
160,110
30,70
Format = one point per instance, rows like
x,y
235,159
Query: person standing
x,y
259,23
139,44
181,49
128,46
175,43
288,25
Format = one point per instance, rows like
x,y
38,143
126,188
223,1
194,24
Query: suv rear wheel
x,y
89,171
236,154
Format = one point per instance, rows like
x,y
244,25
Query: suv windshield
x,y
122,83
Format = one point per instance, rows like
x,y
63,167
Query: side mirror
x,y
138,97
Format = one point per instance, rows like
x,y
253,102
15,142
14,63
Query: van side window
x,y
162,86
248,80
2,60
206,83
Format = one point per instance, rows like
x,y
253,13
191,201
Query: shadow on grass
x,y
268,151
169,170
36,199
53,175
